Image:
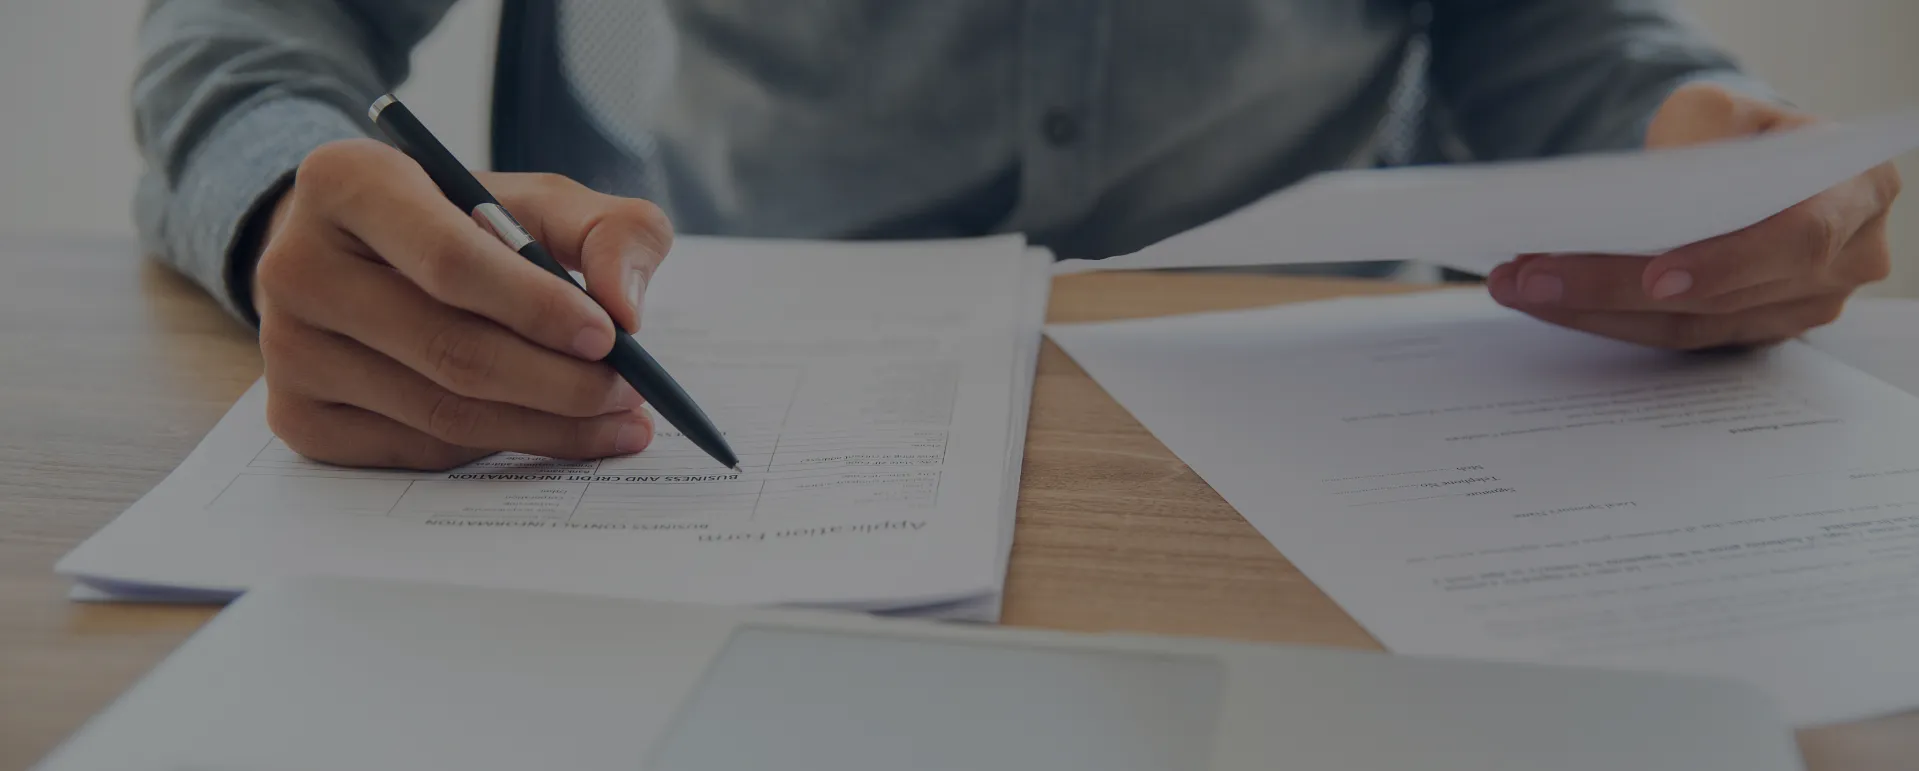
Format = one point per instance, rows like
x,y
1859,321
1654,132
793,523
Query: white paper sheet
x,y
874,393
1466,481
1474,217
1879,335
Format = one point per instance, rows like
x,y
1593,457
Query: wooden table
x,y
112,369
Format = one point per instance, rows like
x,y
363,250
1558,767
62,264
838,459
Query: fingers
x,y
1572,282
1823,243
617,242
398,332
345,435
381,198
1604,282
1812,249
1705,112
1697,331
1772,281
458,351
334,370
1606,295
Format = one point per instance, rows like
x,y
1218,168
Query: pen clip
x,y
502,225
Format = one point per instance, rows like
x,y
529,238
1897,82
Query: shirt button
x,y
1059,128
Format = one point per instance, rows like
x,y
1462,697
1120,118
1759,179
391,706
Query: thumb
x,y
1697,113
619,258
617,242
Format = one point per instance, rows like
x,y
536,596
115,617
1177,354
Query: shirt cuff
x,y
239,169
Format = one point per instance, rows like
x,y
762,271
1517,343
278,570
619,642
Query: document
x,y
1879,335
1476,216
874,392
1466,481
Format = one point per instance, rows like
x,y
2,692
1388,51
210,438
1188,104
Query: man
x,y
397,333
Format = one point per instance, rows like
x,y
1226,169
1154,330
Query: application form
x,y
1466,481
873,392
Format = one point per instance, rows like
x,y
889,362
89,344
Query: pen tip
x,y
736,468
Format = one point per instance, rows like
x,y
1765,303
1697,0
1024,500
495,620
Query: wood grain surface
x,y
111,369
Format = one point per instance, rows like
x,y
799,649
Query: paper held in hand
x,y
1476,216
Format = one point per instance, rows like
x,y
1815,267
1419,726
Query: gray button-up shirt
x,y
1095,126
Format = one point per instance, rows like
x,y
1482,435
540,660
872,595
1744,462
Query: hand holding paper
x,y
1764,283
1477,217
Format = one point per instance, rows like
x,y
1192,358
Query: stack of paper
x,y
876,393
1468,481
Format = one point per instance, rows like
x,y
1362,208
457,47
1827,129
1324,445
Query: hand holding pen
x,y
396,333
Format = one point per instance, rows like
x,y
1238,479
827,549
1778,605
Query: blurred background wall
x,y
66,161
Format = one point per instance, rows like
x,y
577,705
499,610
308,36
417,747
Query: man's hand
x,y
397,332
1767,283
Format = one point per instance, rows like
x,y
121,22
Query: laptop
x,y
331,674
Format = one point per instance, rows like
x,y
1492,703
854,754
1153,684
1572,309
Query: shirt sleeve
x,y
231,95
1531,78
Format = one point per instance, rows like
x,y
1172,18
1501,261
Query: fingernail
x,y
635,288
1673,284
633,437
1499,284
1541,289
591,343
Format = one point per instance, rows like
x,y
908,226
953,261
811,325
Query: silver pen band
x,y
503,225
379,105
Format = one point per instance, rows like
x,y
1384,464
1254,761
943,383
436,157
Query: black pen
x,y
628,358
